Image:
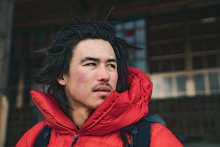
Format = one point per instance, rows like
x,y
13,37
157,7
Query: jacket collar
x,y
117,111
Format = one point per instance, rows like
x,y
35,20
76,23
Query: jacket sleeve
x,y
28,139
163,137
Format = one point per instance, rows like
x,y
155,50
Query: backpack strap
x,y
155,118
140,131
44,137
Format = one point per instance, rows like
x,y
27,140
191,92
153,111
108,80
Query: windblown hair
x,y
59,54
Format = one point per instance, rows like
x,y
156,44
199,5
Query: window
x,y
168,86
199,83
166,65
154,66
212,61
198,62
184,44
206,61
214,81
134,33
177,45
179,64
181,84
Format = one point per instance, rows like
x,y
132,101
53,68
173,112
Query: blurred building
x,y
181,41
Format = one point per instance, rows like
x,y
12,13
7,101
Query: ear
x,y
61,80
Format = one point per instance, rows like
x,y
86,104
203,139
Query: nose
x,y
103,74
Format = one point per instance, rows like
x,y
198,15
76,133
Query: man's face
x,y
92,74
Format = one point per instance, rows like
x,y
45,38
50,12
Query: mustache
x,y
102,84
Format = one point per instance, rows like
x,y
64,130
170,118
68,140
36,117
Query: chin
x,y
99,102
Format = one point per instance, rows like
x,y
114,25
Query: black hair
x,y
59,54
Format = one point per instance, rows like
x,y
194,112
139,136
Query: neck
x,y
79,116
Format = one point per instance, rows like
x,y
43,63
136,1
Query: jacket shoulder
x,y
29,137
162,136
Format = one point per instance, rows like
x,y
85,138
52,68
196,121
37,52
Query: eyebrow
x,y
96,59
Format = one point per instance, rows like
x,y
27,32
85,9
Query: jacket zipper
x,y
75,140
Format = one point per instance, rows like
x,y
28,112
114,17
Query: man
x,y
92,94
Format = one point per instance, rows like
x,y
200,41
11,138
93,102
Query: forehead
x,y
93,47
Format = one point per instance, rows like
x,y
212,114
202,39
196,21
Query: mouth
x,y
102,91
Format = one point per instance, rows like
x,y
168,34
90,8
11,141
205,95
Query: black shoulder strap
x,y
43,138
155,118
141,131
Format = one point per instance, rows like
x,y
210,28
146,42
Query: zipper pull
x,y
75,140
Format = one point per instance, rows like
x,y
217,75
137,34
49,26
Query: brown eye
x,y
90,65
111,66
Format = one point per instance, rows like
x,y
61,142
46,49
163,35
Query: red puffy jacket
x,y
102,129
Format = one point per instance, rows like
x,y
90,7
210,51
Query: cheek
x,y
114,80
80,83
81,79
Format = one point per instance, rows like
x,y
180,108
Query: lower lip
x,y
103,93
